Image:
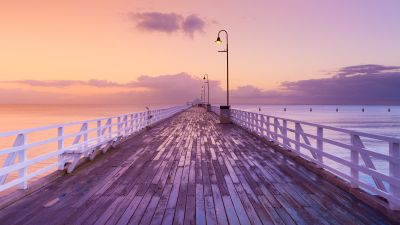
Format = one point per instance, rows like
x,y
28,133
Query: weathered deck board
x,y
191,170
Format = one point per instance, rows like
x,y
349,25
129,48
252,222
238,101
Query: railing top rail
x,y
53,126
353,132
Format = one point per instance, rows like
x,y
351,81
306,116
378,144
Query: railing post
x,y
110,125
354,160
268,128
276,129
246,122
22,155
297,136
253,123
99,131
320,144
394,170
258,124
285,133
126,131
262,126
242,119
85,135
60,147
135,122
119,125
131,128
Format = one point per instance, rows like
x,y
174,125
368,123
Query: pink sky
x,y
122,42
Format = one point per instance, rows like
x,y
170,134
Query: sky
x,y
136,52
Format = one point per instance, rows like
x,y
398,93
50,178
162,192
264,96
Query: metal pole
x,y
201,96
208,92
204,91
227,71
227,65
208,88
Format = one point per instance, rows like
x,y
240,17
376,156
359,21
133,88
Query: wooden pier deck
x,y
190,170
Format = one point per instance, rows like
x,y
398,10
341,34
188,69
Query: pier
x,y
189,169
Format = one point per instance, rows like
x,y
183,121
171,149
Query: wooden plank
x,y
241,212
162,205
200,205
219,205
145,201
230,210
211,218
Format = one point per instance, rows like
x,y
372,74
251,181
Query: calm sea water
x,y
374,119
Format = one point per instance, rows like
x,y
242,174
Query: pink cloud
x,y
155,21
193,24
364,84
168,22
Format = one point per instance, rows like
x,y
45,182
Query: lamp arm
x,y
226,34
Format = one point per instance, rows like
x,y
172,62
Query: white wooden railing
x,y
312,141
70,143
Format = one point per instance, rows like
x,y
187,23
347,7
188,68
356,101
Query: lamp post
x,y
201,96
204,96
208,92
225,110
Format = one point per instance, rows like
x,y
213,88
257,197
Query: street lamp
x,y
208,92
218,41
225,110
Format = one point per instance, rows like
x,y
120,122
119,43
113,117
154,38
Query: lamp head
x,y
218,41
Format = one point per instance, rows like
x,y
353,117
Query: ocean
x,y
382,120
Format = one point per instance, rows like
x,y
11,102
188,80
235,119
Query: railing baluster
x,y
22,155
285,133
394,170
320,144
99,139
119,125
262,126
354,157
297,136
136,122
268,128
131,127
276,129
109,123
60,147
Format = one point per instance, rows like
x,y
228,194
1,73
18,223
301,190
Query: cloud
x,y
368,69
192,24
168,22
362,84
66,83
155,21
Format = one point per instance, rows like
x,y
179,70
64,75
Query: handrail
x,y
88,137
359,160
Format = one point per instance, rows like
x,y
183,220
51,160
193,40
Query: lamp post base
x,y
208,107
225,114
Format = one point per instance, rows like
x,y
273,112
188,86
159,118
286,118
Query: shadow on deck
x,y
191,170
